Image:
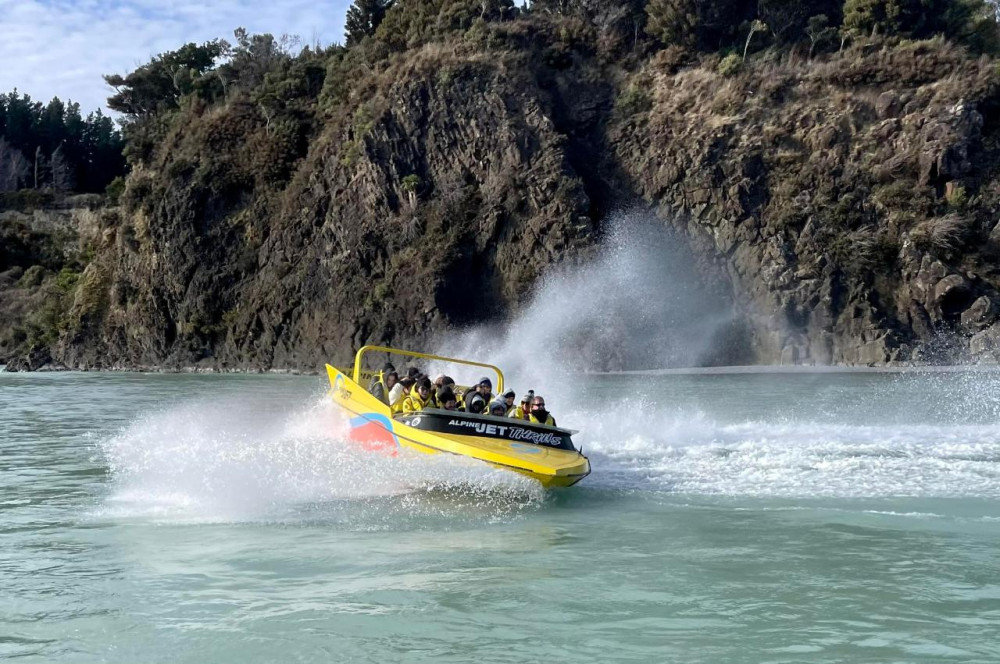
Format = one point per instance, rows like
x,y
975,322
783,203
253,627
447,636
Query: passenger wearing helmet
x,y
477,397
498,408
508,400
538,413
419,397
523,412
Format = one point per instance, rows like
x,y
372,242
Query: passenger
x,y
508,399
439,381
395,389
538,413
523,412
445,398
407,386
377,386
498,408
419,397
477,397
396,393
448,381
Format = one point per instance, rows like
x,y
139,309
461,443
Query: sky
x,y
61,48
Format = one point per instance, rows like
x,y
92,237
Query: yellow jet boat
x,y
541,452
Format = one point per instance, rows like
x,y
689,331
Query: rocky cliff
x,y
844,204
851,203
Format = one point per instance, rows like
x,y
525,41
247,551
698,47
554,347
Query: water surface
x,y
729,518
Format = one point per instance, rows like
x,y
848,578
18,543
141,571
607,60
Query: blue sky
x,y
62,47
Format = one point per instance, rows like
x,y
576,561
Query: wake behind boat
x,y
539,451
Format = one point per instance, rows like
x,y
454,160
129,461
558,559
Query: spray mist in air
x,y
641,303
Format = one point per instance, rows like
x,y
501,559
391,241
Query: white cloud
x,y
61,48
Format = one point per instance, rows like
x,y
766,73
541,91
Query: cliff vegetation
x,y
831,165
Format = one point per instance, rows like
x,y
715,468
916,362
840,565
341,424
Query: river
x,y
730,517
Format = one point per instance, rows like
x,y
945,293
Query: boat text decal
x,y
511,433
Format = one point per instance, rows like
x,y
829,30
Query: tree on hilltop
x,y
363,18
151,87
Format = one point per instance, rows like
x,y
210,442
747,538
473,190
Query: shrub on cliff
x,y
410,24
730,65
971,22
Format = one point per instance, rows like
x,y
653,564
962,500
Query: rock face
x,y
848,208
441,210
842,215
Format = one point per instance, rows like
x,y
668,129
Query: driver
x,y
538,413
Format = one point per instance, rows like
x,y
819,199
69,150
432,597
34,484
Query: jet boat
x,y
541,452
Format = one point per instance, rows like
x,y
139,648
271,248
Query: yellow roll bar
x,y
425,356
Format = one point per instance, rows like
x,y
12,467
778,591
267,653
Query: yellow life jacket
x,y
398,406
551,421
518,413
413,403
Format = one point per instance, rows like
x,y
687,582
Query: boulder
x,y
36,358
981,314
985,346
888,105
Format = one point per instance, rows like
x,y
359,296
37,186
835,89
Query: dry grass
x,y
943,234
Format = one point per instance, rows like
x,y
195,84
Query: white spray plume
x,y
641,303
237,461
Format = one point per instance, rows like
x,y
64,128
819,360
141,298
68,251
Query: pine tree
x,y
363,18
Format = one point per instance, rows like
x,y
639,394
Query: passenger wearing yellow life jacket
x,y
523,411
378,387
508,399
538,413
397,395
419,398
440,383
407,384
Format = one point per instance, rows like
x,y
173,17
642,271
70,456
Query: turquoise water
x,y
729,518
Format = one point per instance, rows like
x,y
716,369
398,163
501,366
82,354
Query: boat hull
x,y
529,450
